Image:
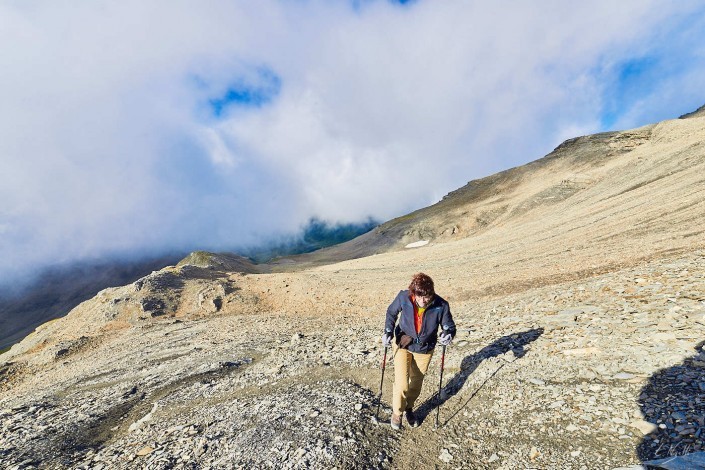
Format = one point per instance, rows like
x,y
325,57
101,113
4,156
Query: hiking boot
x,y
411,418
396,422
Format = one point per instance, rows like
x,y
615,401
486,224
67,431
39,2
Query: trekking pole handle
x,y
440,383
384,362
381,383
443,362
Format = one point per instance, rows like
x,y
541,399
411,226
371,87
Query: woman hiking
x,y
422,312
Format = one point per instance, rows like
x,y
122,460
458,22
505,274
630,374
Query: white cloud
x,y
108,145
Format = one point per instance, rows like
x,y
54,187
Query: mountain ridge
x,y
398,232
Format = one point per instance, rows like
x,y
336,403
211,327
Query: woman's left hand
x,y
445,339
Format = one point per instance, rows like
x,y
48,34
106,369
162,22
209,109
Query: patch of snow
x,y
417,244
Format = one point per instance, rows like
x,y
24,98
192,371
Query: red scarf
x,y
418,319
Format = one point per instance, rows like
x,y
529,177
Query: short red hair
x,y
421,285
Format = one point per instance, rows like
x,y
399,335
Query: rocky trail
x,y
562,376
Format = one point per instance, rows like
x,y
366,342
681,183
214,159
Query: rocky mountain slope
x,y
59,289
506,197
577,283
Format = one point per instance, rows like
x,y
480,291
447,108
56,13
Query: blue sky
x,y
634,78
673,52
140,127
246,94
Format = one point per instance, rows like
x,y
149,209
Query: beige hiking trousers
x,y
409,371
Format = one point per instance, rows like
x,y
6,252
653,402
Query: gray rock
x,y
623,376
445,456
644,426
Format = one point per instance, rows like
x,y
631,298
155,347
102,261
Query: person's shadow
x,y
515,342
674,402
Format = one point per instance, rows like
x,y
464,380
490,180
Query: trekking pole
x,y
381,382
443,361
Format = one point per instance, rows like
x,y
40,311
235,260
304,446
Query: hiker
x,y
422,312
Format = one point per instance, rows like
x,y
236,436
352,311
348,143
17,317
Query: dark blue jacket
x,y
437,314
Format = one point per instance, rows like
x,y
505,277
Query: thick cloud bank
x,y
135,127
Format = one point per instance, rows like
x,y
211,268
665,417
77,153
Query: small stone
x,y
358,406
493,458
664,336
201,449
644,426
571,428
145,451
534,453
623,376
445,456
592,351
575,453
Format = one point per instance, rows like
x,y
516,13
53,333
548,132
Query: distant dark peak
x,y
700,112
